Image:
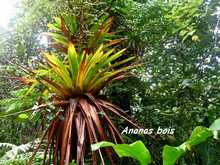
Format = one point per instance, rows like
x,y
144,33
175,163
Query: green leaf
x,y
136,150
200,134
70,21
23,116
183,32
73,61
197,2
58,38
172,154
53,27
14,107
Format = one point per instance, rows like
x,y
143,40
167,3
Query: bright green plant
x,y
66,29
171,155
136,150
183,15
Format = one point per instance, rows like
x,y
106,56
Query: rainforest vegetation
x,y
122,82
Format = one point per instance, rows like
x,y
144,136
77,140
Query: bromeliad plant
x,y
74,82
85,37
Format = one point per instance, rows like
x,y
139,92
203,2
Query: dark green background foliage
x,y
178,85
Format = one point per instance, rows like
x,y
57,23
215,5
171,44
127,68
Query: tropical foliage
x,y
171,155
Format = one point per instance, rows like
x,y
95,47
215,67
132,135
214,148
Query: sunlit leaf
x,y
198,136
23,116
136,150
